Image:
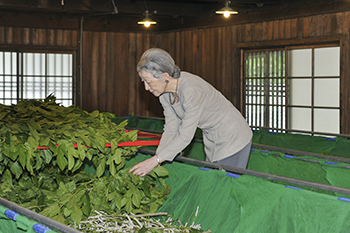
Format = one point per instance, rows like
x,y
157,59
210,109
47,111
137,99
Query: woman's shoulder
x,y
193,81
193,88
185,74
189,78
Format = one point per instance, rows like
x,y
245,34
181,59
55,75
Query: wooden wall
x,y
214,53
111,82
109,78
210,53
15,37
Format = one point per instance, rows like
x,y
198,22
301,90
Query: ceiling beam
x,y
71,6
170,15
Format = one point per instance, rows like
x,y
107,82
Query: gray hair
x,y
157,62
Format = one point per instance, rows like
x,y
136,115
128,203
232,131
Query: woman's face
x,y
152,84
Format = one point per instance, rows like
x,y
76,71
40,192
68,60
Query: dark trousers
x,y
240,159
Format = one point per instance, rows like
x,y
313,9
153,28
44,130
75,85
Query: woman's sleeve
x,y
171,126
178,135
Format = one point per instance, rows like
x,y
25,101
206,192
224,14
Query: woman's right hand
x,y
145,167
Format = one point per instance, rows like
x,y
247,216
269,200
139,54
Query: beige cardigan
x,y
225,131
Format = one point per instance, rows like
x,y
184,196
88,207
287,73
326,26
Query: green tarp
x,y
249,204
229,203
11,222
319,171
337,146
313,169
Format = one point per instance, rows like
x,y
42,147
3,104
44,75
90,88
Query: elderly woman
x,y
190,102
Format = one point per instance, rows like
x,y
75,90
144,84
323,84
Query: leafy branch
x,y
52,182
31,124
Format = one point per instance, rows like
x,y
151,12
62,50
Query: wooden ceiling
x,y
163,8
170,14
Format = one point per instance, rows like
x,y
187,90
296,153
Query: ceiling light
x,y
226,11
147,21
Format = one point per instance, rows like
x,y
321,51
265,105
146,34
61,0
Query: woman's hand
x,y
143,168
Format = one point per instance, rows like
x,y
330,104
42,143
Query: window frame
x,y
302,44
20,73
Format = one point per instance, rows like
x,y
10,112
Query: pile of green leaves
x,y
32,123
52,181
70,199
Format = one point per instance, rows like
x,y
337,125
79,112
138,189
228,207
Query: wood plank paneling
x,y
218,52
51,37
207,54
211,53
340,22
141,96
111,71
94,69
275,30
122,78
287,29
293,28
258,29
146,103
319,26
42,39
235,75
281,29
247,32
327,24
300,28
86,73
2,35
111,80
17,35
345,72
312,21
9,35
25,37
102,78
111,83
132,75
306,29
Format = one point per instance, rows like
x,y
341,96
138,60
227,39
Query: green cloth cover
x,y
249,204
